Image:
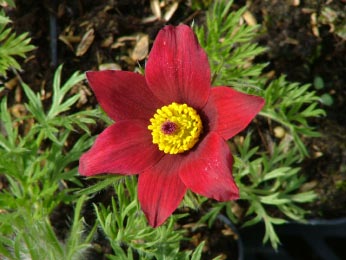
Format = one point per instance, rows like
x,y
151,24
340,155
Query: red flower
x,y
171,126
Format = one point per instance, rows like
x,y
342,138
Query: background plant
x,y
128,232
40,169
36,166
267,174
11,44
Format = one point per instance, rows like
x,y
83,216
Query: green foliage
x,y
228,43
8,2
126,228
200,4
268,178
11,45
326,99
334,18
36,166
34,238
291,105
49,123
273,180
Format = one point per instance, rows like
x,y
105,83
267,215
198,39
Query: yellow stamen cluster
x,y
175,128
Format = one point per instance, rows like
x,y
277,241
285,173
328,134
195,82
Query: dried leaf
x,y
84,92
65,40
149,19
141,49
155,8
308,186
109,66
12,83
18,110
295,2
249,18
314,27
127,38
107,42
170,11
85,43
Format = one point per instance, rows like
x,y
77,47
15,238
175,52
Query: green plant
x,y
7,2
230,47
269,178
35,238
126,228
35,166
38,167
11,45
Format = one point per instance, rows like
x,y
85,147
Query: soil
x,y
299,46
297,50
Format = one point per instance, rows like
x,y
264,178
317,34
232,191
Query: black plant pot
x,y
240,246
316,239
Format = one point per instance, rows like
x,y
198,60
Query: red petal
x,y
177,69
123,94
230,111
208,170
160,190
125,147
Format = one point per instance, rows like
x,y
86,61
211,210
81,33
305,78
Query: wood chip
x,y
155,8
227,231
107,42
249,18
109,66
141,49
237,210
170,11
85,43
84,93
295,2
127,38
18,95
149,19
12,83
18,110
314,27
65,40
117,45
308,186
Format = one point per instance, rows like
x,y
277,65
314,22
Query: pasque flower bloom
x,y
170,126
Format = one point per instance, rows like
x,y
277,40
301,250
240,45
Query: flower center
x,y
175,128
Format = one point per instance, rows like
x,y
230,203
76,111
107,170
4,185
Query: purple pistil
x,y
168,127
